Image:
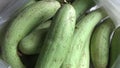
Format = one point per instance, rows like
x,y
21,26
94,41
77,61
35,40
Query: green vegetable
x,y
33,42
83,31
115,46
100,44
22,25
58,39
85,57
3,30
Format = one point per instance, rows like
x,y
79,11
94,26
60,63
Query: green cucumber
x,y
115,46
33,42
22,25
58,39
85,57
83,31
100,44
81,6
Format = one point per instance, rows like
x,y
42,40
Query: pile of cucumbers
x,y
60,34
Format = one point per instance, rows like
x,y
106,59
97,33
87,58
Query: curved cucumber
x,y
100,44
33,42
83,31
58,39
115,46
22,25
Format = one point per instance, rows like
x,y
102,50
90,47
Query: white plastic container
x,y
112,7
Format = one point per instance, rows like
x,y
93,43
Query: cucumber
x,y
22,25
3,30
82,32
85,57
100,44
81,6
57,41
115,46
33,42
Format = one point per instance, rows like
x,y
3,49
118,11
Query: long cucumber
x,y
85,57
33,42
115,46
83,30
100,44
22,25
58,39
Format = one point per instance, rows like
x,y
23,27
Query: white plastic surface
x,y
3,3
113,9
10,8
4,64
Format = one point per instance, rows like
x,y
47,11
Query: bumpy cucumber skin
x,y
85,57
81,6
83,30
115,46
22,25
58,39
33,42
100,44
